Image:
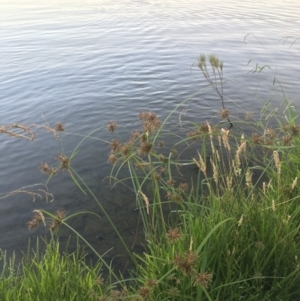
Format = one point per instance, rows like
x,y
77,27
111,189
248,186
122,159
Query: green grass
x,y
229,232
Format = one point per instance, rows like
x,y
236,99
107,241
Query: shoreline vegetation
x,y
230,231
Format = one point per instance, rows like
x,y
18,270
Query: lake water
x,y
84,63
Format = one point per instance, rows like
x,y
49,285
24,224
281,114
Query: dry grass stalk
x,y
277,162
7,130
225,138
248,178
41,216
210,132
273,205
235,167
241,220
229,182
146,200
215,171
241,148
36,220
264,187
58,128
294,183
32,194
182,113
200,164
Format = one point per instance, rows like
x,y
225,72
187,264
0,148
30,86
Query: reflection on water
x,y
85,64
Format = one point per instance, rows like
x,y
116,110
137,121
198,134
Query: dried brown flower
x,y
260,245
173,291
151,282
60,215
63,161
163,159
32,224
293,130
256,138
183,187
204,128
186,263
194,135
173,235
145,148
224,113
111,126
144,292
270,133
134,135
59,127
174,197
44,168
112,159
36,220
114,145
157,176
203,279
286,140
99,281
171,182
125,149
150,121
161,144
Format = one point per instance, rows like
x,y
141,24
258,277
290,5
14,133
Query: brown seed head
x,y
59,127
224,113
183,187
144,292
260,245
161,144
114,145
171,182
145,148
44,168
151,282
174,197
163,159
293,130
270,133
134,135
32,224
256,138
203,279
173,291
191,257
287,140
194,135
173,235
111,126
63,161
157,176
150,121
125,149
112,159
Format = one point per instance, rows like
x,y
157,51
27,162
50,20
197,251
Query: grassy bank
x,y
229,230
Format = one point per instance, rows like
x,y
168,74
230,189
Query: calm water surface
x,y
85,63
